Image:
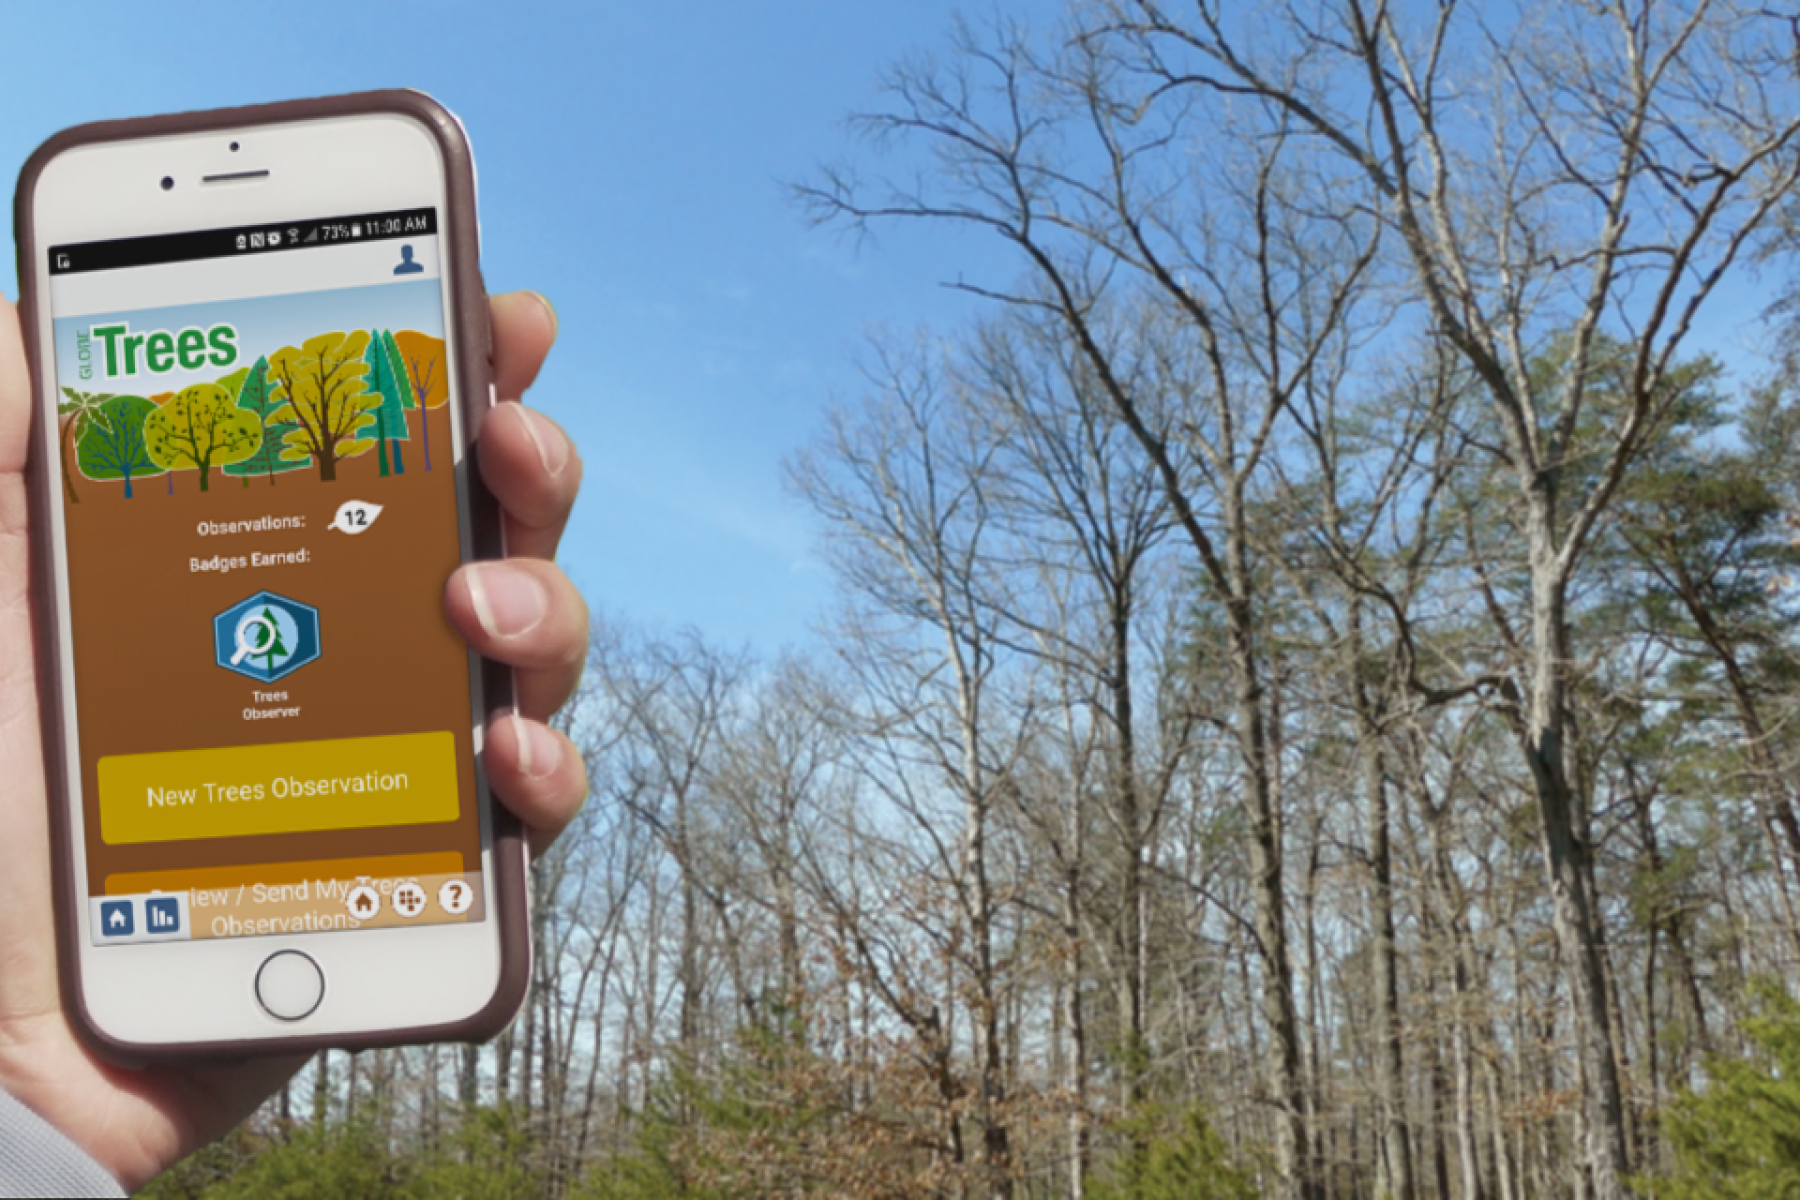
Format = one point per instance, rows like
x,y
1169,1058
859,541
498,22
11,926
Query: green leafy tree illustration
x,y
160,399
112,443
387,378
323,392
201,428
77,409
274,456
234,382
277,648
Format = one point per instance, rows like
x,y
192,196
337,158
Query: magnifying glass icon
x,y
244,648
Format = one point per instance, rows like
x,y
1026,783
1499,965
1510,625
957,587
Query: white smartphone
x,y
260,356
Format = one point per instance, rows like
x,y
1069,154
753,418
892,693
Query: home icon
x,y
116,920
363,902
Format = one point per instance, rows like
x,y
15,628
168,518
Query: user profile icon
x,y
407,265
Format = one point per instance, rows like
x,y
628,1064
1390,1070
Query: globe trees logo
x,y
266,636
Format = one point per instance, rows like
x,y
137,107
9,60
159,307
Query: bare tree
x,y
1087,507
905,489
1200,296
674,700
1632,152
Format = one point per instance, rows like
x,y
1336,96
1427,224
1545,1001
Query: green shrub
x,y
1182,1158
1739,1139
342,1163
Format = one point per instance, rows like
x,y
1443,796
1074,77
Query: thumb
x,y
15,393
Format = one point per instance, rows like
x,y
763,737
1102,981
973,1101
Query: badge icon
x,y
266,636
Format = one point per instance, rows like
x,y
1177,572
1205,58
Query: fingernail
x,y
508,602
552,445
549,308
537,749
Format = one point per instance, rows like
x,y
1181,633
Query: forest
x,y
1310,709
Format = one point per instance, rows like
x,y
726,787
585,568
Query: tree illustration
x,y
386,377
257,395
112,444
201,428
234,382
160,399
277,648
421,357
322,391
77,409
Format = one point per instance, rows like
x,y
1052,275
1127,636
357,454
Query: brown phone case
x,y
474,374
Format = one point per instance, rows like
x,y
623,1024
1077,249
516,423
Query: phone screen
x,y
260,488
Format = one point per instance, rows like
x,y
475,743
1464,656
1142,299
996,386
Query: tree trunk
x,y
1390,1070
688,968
468,1078
503,1056
350,1075
1286,1071
321,1098
68,461
1316,1100
1438,1087
1565,865
1133,968
527,1046
1449,927
1072,1016
985,1011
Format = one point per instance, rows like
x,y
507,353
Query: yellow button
x,y
347,783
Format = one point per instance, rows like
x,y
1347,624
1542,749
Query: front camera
x,y
168,182
234,147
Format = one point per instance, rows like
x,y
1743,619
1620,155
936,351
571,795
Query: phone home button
x,y
289,985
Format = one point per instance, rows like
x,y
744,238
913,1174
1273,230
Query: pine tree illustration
x,y
276,646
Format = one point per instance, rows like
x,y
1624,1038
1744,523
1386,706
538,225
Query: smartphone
x,y
260,353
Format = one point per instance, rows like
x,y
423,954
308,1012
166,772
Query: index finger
x,y
524,328
527,461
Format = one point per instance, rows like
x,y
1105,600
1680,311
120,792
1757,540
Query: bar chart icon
x,y
162,914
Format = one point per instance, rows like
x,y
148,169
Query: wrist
x,y
97,1107
40,1154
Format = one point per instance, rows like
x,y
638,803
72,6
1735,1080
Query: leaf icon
x,y
354,516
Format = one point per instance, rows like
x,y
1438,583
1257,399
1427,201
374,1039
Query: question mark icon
x,y
456,897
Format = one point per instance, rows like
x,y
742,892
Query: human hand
x,y
524,612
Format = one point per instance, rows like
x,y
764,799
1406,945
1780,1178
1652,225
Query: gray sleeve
x,y
36,1160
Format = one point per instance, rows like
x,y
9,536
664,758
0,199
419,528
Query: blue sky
x,y
631,167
